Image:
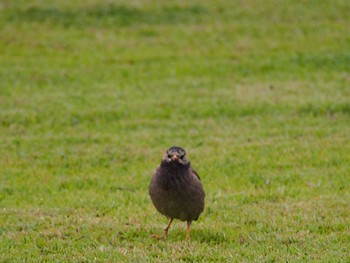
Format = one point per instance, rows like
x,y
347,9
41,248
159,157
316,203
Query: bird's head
x,y
176,155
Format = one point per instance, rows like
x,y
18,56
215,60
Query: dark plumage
x,y
176,189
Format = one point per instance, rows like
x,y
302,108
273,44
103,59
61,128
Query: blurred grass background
x,y
93,92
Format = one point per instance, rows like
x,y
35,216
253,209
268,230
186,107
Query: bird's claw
x,y
157,236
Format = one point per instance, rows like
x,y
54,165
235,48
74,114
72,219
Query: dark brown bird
x,y
176,189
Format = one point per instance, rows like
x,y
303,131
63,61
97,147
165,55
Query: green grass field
x,y
92,93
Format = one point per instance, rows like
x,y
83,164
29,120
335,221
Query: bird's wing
x,y
195,173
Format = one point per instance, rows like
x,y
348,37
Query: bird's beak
x,y
174,157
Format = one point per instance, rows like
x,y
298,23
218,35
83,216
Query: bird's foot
x,y
158,237
165,234
165,231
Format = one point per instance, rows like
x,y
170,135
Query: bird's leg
x,y
188,230
165,231
167,228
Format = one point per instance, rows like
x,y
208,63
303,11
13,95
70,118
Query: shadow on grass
x,y
108,15
325,109
178,235
209,236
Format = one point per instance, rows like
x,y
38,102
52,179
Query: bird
x,y
176,190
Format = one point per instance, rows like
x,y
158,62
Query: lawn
x,y
92,93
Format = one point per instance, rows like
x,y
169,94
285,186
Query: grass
x,y
92,94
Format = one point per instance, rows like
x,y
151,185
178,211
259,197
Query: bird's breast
x,y
174,180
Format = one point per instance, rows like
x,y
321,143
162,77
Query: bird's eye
x,y
169,156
